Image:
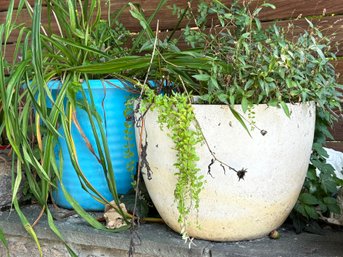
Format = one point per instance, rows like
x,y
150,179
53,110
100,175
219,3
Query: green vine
x,y
175,113
129,136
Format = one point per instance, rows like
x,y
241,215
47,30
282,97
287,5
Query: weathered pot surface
x,y
233,209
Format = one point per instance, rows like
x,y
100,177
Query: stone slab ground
x,y
154,240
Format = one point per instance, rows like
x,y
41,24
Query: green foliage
x,y
318,195
235,62
129,136
266,65
175,113
32,116
4,242
272,66
85,47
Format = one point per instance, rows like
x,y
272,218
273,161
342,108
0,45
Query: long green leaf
x,y
136,13
8,23
4,241
58,233
240,120
27,225
85,215
18,179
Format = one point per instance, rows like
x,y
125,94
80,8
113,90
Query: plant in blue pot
x,y
69,125
94,149
102,143
70,130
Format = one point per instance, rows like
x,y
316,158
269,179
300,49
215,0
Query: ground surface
x,y
154,240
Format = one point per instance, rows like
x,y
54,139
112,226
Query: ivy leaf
x,y
142,204
329,200
323,206
329,186
334,208
214,82
232,99
311,173
320,150
309,199
311,212
300,208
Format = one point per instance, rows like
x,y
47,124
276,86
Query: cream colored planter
x,y
231,209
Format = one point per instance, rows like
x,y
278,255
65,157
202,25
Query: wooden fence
x,y
286,11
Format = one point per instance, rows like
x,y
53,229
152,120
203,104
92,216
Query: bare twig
x,y
152,58
39,217
215,159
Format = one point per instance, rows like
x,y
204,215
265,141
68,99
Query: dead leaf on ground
x,y
113,218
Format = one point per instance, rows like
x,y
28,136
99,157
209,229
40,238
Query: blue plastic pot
x,y
110,105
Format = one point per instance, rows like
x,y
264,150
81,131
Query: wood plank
x,y
9,54
337,131
167,22
284,8
5,3
329,25
336,145
338,24
339,69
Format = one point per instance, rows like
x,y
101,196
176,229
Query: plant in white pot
x,y
230,165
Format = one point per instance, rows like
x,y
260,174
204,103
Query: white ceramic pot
x,y
233,209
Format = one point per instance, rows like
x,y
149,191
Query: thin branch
x,y
222,164
39,216
152,57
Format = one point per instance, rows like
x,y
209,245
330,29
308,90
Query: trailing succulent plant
x,y
175,113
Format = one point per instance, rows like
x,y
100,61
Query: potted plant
x,y
52,81
229,163
50,105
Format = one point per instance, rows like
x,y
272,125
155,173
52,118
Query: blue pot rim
x,y
94,84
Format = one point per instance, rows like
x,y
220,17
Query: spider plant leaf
x,y
239,119
136,13
114,66
85,215
67,43
4,242
58,233
18,179
27,226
